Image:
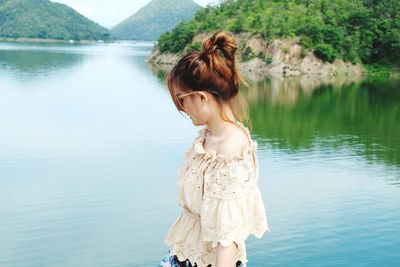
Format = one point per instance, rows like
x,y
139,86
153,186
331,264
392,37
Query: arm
x,y
226,256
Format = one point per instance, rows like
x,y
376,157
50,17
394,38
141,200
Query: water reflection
x,y
28,64
160,71
287,90
364,116
30,61
300,113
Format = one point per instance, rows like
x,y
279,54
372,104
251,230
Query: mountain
x,y
357,31
155,18
43,19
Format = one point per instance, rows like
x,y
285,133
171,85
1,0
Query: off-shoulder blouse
x,y
220,201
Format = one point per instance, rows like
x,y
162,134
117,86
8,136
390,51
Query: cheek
x,y
196,108
201,111
190,106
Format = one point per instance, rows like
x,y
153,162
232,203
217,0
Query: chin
x,y
196,123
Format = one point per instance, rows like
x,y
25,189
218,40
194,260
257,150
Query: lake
x,y
90,147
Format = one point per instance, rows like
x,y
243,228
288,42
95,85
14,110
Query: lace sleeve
x,y
232,206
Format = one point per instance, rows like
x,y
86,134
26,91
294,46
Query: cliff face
x,y
280,57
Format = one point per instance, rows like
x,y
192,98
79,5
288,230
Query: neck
x,y
217,126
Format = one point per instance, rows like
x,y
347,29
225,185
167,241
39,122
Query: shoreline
x,y
71,42
39,40
307,81
259,75
254,68
280,57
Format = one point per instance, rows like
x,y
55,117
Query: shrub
x,y
248,54
196,46
325,52
268,59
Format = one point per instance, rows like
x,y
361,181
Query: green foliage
x,y
196,46
46,20
236,28
359,31
378,70
265,58
176,40
325,52
248,54
333,36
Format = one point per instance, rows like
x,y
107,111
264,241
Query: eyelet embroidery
x,y
213,155
211,177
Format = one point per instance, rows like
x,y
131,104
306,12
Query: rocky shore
x,y
259,58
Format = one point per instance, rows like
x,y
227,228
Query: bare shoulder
x,y
234,142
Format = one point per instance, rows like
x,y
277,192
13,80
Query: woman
x,y
218,182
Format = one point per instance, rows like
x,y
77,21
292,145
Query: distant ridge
x,y
154,19
42,19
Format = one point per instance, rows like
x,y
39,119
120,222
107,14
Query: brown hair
x,y
215,70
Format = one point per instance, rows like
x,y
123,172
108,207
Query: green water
x,y
362,115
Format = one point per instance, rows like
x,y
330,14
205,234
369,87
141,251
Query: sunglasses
x,y
180,97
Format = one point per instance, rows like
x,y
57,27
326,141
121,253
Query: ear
x,y
203,97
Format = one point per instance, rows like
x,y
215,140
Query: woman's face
x,y
198,106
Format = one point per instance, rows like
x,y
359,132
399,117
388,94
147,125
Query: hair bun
x,y
223,41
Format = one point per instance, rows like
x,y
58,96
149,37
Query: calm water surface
x,y
90,146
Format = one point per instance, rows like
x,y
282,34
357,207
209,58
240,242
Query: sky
x,y
109,13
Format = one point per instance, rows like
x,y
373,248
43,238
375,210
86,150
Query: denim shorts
x,y
172,261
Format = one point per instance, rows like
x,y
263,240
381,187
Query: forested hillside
x,y
46,20
360,31
155,18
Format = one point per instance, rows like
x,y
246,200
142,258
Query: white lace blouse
x,y
220,201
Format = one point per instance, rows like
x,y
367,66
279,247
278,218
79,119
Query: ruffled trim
x,y
198,147
228,221
185,240
205,260
186,225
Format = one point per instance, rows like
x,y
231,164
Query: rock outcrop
x,y
280,57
